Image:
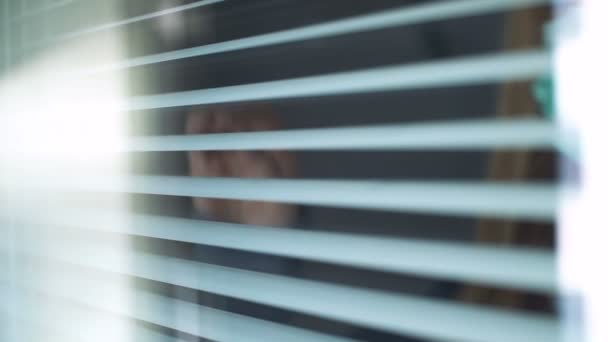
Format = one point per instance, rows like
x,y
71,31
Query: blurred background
x,y
282,170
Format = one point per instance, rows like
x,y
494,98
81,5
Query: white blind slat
x,y
112,25
59,312
395,17
452,72
209,323
401,314
451,135
526,268
534,201
52,6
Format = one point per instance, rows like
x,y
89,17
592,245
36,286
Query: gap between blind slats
x,y
452,72
533,201
526,268
451,135
385,19
400,314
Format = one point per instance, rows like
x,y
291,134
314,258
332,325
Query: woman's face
x,y
241,164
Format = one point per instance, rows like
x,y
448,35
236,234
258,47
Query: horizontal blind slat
x,y
534,201
59,311
156,309
401,314
452,72
225,326
517,267
115,24
386,19
53,6
450,135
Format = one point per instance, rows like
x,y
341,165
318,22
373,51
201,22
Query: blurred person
x,y
240,164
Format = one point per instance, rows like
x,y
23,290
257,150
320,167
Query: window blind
x,y
78,248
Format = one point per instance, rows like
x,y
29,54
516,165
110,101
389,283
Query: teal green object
x,y
544,92
544,89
